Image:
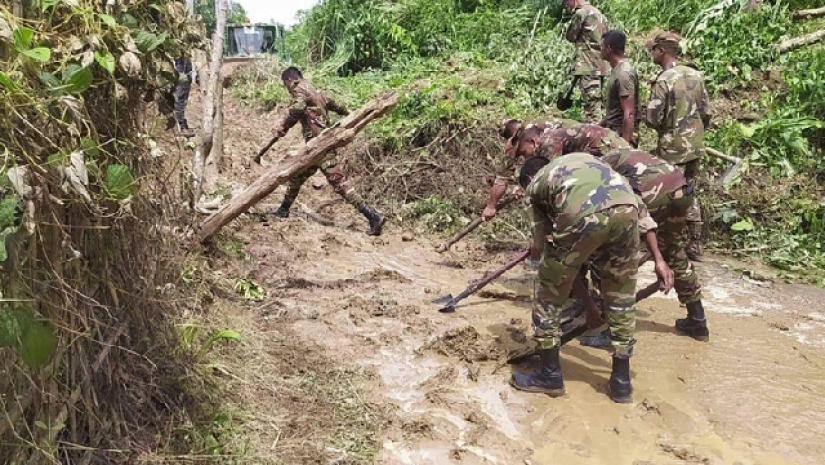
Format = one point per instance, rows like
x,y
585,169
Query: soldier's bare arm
x,y
496,193
628,103
296,110
657,107
704,108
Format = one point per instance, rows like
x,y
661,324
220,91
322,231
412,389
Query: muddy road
x,y
346,360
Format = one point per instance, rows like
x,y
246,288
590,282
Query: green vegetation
x,y
463,65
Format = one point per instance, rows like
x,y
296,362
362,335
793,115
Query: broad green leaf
x,y
23,38
747,131
11,326
106,60
78,81
119,181
37,344
108,20
147,42
7,82
744,225
47,4
50,80
41,54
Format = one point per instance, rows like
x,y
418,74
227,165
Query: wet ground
x,y
752,395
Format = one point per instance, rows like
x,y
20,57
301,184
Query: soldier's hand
x,y
665,275
489,213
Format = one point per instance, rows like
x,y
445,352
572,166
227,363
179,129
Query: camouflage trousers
x,y
591,94
181,98
691,171
335,177
611,239
672,235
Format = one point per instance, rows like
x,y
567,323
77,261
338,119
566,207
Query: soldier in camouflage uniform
x,y
622,89
667,196
309,107
184,68
678,111
581,209
585,32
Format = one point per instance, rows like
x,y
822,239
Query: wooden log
x,y
811,13
796,42
340,134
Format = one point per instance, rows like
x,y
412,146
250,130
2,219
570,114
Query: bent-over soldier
x,y
582,209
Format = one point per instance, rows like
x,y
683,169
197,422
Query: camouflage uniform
x,y
679,111
583,209
667,195
585,31
309,107
578,137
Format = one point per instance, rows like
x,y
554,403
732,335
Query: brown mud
x,y
347,361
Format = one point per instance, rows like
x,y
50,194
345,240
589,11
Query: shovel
x,y
447,303
445,246
565,101
731,172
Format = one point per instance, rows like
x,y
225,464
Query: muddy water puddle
x,y
752,395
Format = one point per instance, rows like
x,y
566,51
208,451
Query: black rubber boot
x,y
619,388
695,325
376,220
283,210
546,379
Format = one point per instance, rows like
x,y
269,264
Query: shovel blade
x,y
444,300
731,172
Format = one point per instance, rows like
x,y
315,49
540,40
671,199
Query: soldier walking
x,y
310,107
678,111
585,32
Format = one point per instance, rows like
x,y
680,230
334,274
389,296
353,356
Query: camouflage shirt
x,y
654,180
579,137
585,31
678,111
310,107
574,186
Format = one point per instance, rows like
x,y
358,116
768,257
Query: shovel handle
x,y
723,156
445,246
488,278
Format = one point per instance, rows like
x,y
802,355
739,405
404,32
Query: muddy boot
x,y
619,388
695,325
376,220
694,247
283,210
546,379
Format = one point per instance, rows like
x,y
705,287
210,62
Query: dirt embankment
x,y
346,361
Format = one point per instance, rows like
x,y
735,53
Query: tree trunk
x,y
342,133
796,42
803,14
214,162
206,137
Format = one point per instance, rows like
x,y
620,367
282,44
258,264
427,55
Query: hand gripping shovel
x,y
447,303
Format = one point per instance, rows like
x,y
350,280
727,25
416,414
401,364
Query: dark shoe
x,y
546,379
695,325
375,219
619,388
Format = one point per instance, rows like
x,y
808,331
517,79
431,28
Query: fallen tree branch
x,y
811,13
342,133
796,42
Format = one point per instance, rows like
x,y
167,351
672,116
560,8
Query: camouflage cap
x,y
667,40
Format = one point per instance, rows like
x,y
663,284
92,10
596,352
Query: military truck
x,y
246,42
